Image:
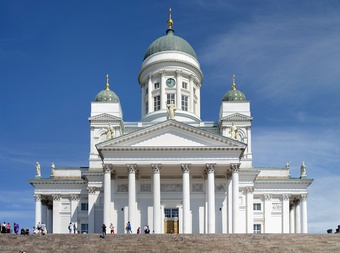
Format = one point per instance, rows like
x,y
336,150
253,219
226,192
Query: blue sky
x,y
54,56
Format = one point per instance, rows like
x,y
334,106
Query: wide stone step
x,y
270,243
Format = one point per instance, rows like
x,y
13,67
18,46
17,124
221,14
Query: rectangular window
x,y
84,228
170,98
184,103
257,228
156,86
84,206
257,206
194,91
146,91
157,103
184,85
171,212
146,107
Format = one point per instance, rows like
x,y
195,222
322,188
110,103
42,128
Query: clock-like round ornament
x,y
170,82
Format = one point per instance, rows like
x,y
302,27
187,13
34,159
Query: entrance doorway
x,y
171,222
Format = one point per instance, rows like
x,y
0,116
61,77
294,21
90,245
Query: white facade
x,y
177,175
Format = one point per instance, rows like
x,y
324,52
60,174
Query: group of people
x,y
6,228
72,228
127,228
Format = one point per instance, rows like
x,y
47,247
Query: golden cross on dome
x,y
170,22
233,85
107,82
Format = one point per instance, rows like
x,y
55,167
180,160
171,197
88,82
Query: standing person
x,y
74,228
146,229
112,228
103,231
138,230
8,228
16,228
70,228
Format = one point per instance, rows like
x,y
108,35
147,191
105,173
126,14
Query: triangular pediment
x,y
237,117
104,117
171,134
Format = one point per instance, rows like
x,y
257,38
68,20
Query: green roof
x,y
170,42
234,95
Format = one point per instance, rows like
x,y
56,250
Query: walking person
x,y
112,228
128,228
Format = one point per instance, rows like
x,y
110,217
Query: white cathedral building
x,y
171,170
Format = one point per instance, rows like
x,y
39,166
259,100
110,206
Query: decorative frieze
x,y
186,167
145,187
171,187
122,188
197,187
276,207
220,187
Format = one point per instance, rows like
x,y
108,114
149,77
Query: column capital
x,y
37,197
250,189
210,168
107,168
186,167
178,72
285,196
56,197
267,197
303,197
91,190
156,168
132,168
75,197
235,167
162,72
296,202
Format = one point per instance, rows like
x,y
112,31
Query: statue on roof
x,y
110,132
37,170
233,131
303,170
171,108
52,169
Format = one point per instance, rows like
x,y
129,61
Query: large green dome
x,y
107,95
170,42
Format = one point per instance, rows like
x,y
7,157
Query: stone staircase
x,y
258,243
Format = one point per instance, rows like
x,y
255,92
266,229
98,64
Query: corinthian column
x,y
156,169
186,199
107,193
210,170
56,214
235,167
132,193
304,213
285,213
297,216
38,205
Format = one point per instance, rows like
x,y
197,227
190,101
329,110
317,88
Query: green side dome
x,y
107,95
234,94
170,42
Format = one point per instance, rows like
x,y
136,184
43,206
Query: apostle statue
x,y
233,131
52,169
37,170
303,170
171,108
110,132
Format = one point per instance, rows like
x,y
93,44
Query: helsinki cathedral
x,y
171,170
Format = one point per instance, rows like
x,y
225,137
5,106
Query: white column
x,y
178,89
156,169
230,203
74,209
292,218
38,205
235,206
107,193
186,198
285,213
210,169
297,216
267,213
192,97
304,213
132,168
250,210
92,199
150,100
249,142
56,215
